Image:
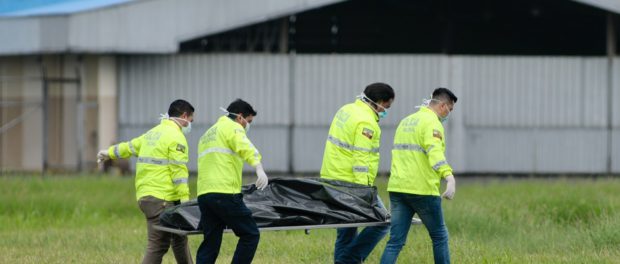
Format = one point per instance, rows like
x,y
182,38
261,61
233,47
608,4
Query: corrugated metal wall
x,y
149,83
515,114
535,114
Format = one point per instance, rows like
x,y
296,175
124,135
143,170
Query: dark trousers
x,y
218,211
353,247
160,241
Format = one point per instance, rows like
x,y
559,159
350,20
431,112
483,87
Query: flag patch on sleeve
x,y
437,134
368,133
181,148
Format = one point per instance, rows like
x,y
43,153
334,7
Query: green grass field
x,y
95,219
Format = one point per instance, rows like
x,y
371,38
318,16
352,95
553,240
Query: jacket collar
x,y
168,122
426,109
367,109
225,118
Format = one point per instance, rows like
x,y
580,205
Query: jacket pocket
x,y
151,206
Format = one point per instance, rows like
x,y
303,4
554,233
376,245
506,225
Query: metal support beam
x,y
292,53
611,53
291,122
80,117
45,117
306,228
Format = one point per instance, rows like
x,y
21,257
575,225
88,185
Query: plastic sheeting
x,y
291,202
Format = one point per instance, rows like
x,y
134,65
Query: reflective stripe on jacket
x,y
352,147
221,153
161,169
418,160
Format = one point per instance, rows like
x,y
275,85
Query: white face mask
x,y
247,124
185,129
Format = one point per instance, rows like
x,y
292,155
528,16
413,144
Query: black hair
x,y
180,106
240,106
379,92
444,94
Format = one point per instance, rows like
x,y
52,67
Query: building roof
x,y
141,26
609,5
146,26
12,8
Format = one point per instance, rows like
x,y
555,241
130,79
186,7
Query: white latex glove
x,y
262,181
102,156
450,188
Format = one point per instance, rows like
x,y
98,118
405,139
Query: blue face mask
x,y
445,118
383,114
441,119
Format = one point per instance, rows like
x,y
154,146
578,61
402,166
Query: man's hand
x,y
102,156
262,181
450,187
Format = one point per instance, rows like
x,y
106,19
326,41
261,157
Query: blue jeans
x,y
428,207
226,210
353,247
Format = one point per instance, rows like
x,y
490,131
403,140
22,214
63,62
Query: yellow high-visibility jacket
x,y
221,152
352,147
161,169
418,160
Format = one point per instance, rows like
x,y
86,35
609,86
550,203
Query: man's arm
x,y
121,150
177,162
363,151
435,148
242,145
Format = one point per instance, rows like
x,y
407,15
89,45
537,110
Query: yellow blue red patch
x,y
368,133
437,134
181,148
